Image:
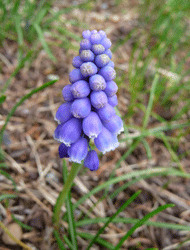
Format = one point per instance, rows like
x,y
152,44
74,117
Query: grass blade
x,y
45,85
59,241
132,198
151,100
44,44
141,222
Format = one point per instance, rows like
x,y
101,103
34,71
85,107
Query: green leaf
x,y
2,99
21,224
8,177
141,222
7,196
59,241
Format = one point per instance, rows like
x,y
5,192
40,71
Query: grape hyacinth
x,y
88,111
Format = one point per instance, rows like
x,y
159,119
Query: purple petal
x,y
92,125
67,94
86,34
111,88
95,38
108,73
106,43
70,132
98,99
98,49
102,60
113,100
63,151
106,141
79,150
85,44
87,55
75,75
77,62
88,69
80,108
63,113
106,113
97,82
80,89
91,161
115,125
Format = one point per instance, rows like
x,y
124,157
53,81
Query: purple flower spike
x,y
87,55
92,161
111,88
108,52
77,62
78,151
88,69
113,100
106,113
106,43
115,125
98,49
102,60
98,99
80,89
108,73
85,44
86,34
95,38
97,82
90,100
92,125
80,108
106,141
70,132
67,94
75,75
63,151
63,113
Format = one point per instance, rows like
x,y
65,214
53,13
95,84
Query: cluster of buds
x,y
88,111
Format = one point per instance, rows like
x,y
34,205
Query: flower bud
x,y
77,62
80,89
63,113
92,125
98,49
67,94
106,43
86,34
106,141
78,150
87,55
63,151
106,113
80,108
88,69
111,64
115,125
95,38
85,44
113,100
102,60
91,161
102,34
98,99
108,73
111,88
75,75
108,52
97,82
70,131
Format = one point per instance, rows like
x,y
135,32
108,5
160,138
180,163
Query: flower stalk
x,y
63,194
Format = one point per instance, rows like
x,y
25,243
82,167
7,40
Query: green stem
x,y
63,194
